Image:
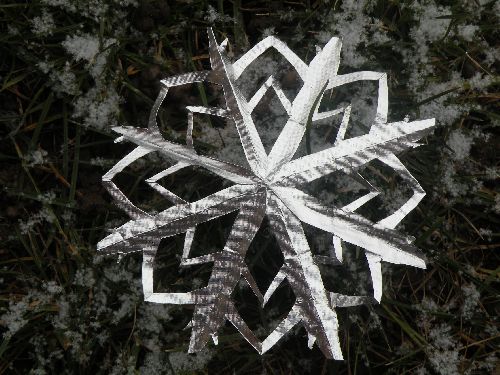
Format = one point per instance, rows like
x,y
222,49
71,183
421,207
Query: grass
x,y
80,314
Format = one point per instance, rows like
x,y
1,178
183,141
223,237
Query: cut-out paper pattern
x,y
271,186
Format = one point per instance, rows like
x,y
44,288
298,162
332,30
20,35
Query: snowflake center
x,y
266,183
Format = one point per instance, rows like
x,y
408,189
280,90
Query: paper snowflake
x,y
271,187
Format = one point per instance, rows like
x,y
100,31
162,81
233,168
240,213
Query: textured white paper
x,y
271,186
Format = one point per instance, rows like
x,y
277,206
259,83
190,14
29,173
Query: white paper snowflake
x,y
271,187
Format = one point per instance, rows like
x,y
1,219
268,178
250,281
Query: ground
x,y
71,70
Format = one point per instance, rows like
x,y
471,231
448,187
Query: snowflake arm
x,y
353,153
237,106
155,142
311,305
135,234
229,266
350,227
304,104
